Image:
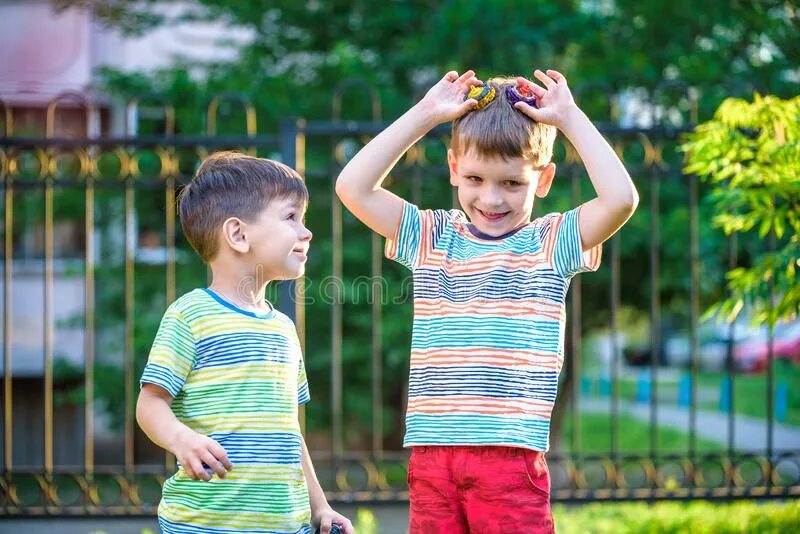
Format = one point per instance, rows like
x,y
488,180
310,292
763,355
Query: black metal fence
x,y
92,256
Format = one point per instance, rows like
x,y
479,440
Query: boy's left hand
x,y
323,519
554,99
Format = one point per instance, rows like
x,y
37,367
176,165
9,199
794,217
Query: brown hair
x,y
232,184
500,129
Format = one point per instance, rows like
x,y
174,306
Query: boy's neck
x,y
242,289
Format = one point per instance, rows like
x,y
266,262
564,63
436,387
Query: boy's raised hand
x,y
554,99
193,450
445,100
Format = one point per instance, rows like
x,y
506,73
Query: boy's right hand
x,y
445,102
193,450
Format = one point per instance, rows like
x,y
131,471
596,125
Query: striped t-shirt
x,y
489,314
237,377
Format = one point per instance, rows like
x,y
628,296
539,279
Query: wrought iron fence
x,y
90,235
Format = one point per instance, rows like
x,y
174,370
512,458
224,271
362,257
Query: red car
x,y
751,355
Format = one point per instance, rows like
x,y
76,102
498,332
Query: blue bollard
x,y
725,396
643,387
605,386
685,391
586,386
781,401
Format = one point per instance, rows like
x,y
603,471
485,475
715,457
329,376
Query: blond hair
x,y
499,129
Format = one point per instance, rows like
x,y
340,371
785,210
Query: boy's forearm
x,y
315,494
609,177
156,419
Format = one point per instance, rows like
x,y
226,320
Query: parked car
x,y
752,355
713,340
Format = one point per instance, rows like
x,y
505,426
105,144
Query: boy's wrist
x,y
573,119
319,505
177,437
424,116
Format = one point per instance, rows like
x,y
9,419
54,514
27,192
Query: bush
x,y
673,517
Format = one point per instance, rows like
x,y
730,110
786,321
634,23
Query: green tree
x,y
750,151
301,51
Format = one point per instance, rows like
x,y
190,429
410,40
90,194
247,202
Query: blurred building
x,y
52,57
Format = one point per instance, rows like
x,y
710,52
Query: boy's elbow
x,y
139,410
340,187
632,202
627,203
347,193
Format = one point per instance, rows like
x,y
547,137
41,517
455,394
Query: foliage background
x,y
612,51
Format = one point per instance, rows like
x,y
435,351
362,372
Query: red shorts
x,y
482,490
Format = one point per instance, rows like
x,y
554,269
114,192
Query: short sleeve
x,y
172,355
404,245
303,395
416,235
564,247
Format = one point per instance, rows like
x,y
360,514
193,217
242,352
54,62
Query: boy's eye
x,y
476,179
291,215
513,183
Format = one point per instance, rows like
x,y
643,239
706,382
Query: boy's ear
x,y
234,232
452,163
546,176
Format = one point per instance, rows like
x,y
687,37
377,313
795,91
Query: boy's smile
x,y
497,193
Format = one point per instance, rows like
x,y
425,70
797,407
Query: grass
x,y
633,436
750,392
698,517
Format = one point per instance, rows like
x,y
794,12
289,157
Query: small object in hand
x,y
483,93
335,529
521,93
208,469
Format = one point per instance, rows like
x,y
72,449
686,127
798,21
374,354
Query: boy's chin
x,y
496,230
293,274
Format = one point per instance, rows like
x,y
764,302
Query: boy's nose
x,y
305,234
491,197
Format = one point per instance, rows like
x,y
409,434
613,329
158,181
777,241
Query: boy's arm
x,y
616,200
322,515
359,184
155,417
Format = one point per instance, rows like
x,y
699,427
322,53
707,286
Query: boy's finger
x,y
325,526
557,76
199,472
348,527
544,78
220,454
214,464
467,105
530,111
450,76
538,91
466,76
189,471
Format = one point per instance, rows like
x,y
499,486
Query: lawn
x,y
750,392
633,436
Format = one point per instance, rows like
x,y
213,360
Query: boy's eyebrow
x,y
296,204
514,177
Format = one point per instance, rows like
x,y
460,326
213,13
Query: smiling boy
x,y
490,290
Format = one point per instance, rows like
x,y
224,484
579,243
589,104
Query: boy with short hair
x,y
225,374
490,291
